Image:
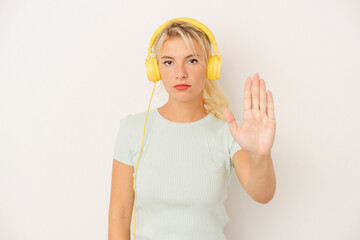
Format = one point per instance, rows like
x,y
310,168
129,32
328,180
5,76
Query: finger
x,y
255,92
230,119
270,105
262,96
247,94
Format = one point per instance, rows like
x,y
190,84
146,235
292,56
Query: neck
x,y
183,112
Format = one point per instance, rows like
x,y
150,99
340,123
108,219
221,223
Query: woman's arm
x,y
262,181
121,201
119,229
256,174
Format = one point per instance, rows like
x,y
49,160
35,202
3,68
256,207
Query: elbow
x,y
265,200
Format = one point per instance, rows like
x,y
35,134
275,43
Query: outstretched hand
x,y
257,131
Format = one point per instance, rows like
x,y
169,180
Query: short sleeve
x,y
233,145
122,143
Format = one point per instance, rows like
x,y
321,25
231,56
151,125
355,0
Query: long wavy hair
x,y
215,100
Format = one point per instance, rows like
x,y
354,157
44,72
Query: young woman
x,y
191,146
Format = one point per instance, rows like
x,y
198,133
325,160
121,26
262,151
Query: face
x,y
178,66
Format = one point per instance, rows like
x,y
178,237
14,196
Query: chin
x,y
183,98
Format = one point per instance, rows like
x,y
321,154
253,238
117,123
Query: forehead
x,y
177,45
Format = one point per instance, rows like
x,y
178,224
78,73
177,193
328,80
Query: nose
x,y
180,71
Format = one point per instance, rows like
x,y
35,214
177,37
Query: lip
x,y
182,85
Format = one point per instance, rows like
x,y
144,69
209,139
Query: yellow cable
x,y
139,156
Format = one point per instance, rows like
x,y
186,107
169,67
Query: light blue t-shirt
x,y
182,176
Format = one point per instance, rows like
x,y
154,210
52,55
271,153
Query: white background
x,y
69,70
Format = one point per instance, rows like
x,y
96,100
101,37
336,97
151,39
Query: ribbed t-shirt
x,y
182,176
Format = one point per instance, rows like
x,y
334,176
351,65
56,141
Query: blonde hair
x,y
215,100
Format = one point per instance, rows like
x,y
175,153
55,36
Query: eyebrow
x,y
197,55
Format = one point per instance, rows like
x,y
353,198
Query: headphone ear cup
x,y
213,70
152,70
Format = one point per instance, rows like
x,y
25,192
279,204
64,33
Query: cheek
x,y
166,84
201,77
165,73
203,83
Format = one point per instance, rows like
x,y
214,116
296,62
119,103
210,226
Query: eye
x,y
166,62
193,59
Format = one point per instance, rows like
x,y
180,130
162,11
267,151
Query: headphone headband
x,y
194,22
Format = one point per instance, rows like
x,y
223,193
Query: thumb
x,y
231,121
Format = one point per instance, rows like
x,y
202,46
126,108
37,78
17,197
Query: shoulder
x,y
224,130
219,124
218,128
136,119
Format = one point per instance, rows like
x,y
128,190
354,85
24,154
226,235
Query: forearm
x,y
119,229
261,181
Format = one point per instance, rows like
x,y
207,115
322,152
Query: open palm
x,y
257,131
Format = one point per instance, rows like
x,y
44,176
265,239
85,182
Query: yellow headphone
x,y
153,73
214,63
